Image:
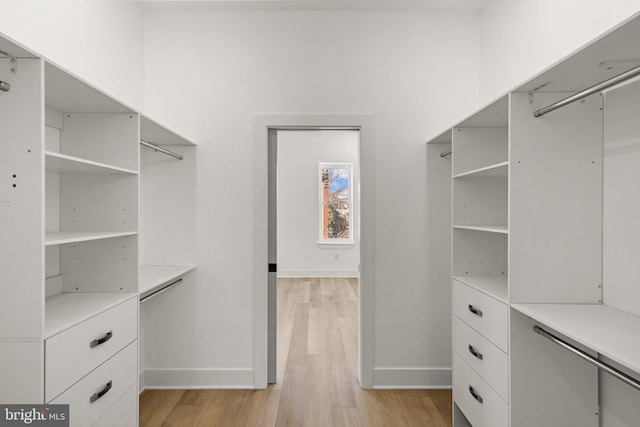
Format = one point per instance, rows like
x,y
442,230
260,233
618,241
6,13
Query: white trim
x,y
412,378
317,273
337,244
169,379
363,122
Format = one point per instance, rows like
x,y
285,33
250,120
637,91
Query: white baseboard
x,y
317,273
412,378
159,379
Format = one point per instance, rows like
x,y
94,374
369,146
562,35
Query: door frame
x,y
362,122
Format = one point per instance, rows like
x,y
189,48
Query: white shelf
x,y
153,277
606,330
63,237
62,163
67,309
155,133
503,229
498,170
494,286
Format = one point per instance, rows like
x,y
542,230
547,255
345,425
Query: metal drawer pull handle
x,y
102,340
475,311
101,393
475,395
476,353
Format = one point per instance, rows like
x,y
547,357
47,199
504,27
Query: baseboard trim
x,y
412,378
298,274
160,379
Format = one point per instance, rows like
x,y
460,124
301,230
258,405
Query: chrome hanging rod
x,y
161,290
160,149
446,153
589,91
589,358
4,86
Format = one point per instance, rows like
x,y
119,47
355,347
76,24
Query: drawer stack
x,y
480,356
93,365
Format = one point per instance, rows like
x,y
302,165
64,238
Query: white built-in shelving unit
x,y
545,314
70,209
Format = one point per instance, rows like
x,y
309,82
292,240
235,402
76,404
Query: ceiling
x,y
318,4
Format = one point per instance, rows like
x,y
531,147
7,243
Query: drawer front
x,y
483,313
124,413
483,400
95,394
465,407
75,352
491,363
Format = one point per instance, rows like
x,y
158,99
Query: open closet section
x,y
545,208
71,224
167,212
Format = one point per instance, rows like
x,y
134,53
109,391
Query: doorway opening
x,y
266,127
314,251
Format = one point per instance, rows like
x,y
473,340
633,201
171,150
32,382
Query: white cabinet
x,y
544,224
69,209
480,277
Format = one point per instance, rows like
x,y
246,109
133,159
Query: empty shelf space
x,y
154,276
63,237
503,229
67,309
494,286
498,170
62,163
606,330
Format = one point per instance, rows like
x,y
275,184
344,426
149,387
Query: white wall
x,y
414,72
299,254
520,38
97,40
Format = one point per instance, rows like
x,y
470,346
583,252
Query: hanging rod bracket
x,y
589,91
627,379
160,149
4,86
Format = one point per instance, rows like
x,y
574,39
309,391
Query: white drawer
x,y
70,355
491,363
489,407
483,313
124,413
465,407
104,386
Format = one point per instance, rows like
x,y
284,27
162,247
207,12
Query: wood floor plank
x,y
317,381
156,405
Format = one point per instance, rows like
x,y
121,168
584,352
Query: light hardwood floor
x,y
317,375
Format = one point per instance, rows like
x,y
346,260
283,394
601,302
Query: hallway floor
x,y
317,375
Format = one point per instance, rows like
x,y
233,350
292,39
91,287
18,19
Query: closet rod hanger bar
x,y
160,291
589,91
446,153
589,358
160,149
4,86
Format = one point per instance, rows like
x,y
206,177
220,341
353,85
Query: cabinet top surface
x,y
67,309
610,332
